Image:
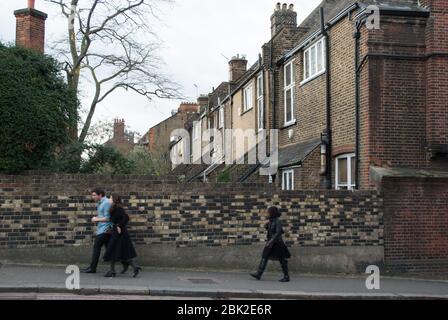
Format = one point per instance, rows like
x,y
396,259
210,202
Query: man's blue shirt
x,y
103,212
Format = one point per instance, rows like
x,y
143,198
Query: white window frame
x,y
180,148
351,181
196,130
248,102
289,90
260,102
221,117
308,67
286,174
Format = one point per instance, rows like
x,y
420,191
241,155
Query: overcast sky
x,y
197,34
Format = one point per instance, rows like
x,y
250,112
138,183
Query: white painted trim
x,y
307,64
284,181
351,183
291,87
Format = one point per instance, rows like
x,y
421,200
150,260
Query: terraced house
x,y
356,91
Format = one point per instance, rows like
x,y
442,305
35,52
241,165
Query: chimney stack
x,y
119,128
30,28
284,16
237,68
188,107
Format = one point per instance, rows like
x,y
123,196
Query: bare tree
x,y
113,41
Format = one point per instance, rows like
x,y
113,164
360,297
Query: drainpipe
x,y
328,133
272,73
272,93
357,36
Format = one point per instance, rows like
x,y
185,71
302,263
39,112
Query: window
x,y
288,180
196,130
314,60
260,103
221,118
180,148
289,81
247,103
346,172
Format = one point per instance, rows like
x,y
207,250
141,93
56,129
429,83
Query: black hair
x,y
117,202
274,213
99,192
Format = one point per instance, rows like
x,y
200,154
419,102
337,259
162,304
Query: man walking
x,y
103,227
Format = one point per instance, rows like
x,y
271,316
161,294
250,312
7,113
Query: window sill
x,y
289,124
317,75
246,111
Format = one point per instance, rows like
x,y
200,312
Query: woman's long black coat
x,y
275,248
120,247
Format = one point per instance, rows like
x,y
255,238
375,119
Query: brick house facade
x,y
376,99
159,140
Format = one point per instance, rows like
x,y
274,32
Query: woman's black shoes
x,y
285,279
136,272
256,276
110,274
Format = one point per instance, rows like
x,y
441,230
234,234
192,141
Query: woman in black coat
x,y
275,248
120,247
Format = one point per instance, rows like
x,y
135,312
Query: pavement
x,y
49,282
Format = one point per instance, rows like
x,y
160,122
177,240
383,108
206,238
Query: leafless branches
x,y
114,43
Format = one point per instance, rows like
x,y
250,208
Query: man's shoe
x,y
256,276
88,270
110,274
285,279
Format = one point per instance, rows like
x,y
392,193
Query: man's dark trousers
x,y
100,241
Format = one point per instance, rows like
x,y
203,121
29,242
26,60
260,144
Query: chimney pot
x,y
31,4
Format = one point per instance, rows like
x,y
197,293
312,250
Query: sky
x,y
198,37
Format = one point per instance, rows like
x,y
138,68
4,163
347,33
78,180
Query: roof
x,y
334,8
295,154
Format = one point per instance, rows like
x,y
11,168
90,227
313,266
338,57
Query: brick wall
x,y
416,225
308,177
437,73
393,111
55,211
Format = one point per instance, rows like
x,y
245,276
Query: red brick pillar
x,y
30,28
437,76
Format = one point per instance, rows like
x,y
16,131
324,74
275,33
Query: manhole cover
x,y
202,281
